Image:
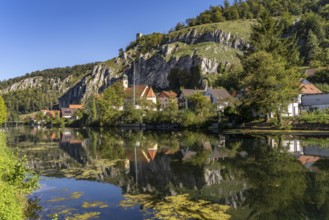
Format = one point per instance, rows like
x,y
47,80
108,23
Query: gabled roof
x,y
169,94
189,92
149,93
309,88
140,91
219,93
129,92
52,113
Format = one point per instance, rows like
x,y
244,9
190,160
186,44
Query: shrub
x,y
15,183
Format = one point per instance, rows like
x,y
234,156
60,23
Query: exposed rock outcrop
x,y
100,78
194,36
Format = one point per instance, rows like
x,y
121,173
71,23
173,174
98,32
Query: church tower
x,y
125,81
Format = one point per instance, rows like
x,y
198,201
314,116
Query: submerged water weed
x,y
76,195
57,200
178,207
86,216
98,204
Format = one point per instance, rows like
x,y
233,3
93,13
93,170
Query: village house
x,y
306,89
167,97
184,95
69,112
315,101
219,97
142,93
51,113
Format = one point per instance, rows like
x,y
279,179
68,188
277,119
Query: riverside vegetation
x,y
15,180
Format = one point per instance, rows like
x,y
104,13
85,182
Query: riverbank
x,y
14,185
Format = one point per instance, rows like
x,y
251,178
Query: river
x,y
131,174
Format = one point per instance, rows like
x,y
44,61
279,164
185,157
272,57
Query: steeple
x,y
125,81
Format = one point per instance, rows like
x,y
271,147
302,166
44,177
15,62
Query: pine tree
x,y
312,46
267,36
3,111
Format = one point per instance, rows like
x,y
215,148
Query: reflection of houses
x,y
151,153
308,161
291,145
73,147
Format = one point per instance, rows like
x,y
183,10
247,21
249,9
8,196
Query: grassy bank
x,y
15,184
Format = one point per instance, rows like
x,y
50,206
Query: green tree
x,y
312,47
269,86
3,111
110,102
267,36
200,104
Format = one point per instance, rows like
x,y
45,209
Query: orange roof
x,y
152,153
51,113
129,92
149,92
169,94
76,106
303,159
309,88
139,91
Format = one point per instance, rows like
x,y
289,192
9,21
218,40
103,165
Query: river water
x,y
129,174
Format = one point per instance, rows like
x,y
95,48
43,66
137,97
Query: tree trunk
x,y
267,117
278,116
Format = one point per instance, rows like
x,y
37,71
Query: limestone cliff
x,y
211,50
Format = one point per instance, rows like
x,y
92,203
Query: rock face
x,y
94,83
153,68
56,84
218,36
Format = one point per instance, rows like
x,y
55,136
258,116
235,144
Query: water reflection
x,y
259,177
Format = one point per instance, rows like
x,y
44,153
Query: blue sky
x,y
41,34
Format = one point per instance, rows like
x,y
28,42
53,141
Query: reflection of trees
x,y
177,207
278,185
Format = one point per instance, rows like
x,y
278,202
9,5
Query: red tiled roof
x,y
76,106
303,159
149,93
169,94
309,88
129,92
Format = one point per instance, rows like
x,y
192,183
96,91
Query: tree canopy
x,y
3,111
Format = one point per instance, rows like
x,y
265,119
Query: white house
x,y
306,89
315,101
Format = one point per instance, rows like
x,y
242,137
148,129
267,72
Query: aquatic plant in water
x,y
177,207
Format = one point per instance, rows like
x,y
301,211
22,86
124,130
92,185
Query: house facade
x,y
184,95
167,97
315,101
219,97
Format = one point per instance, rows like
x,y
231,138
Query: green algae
x,y
76,195
177,207
86,216
97,204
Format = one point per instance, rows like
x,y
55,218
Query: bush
x,y
15,183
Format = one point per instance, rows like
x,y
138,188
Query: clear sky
x,y
41,34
